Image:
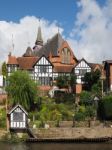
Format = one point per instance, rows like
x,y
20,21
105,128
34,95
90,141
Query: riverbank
x,y
3,132
65,133
73,132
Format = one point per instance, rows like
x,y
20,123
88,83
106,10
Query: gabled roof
x,y
27,62
40,59
84,61
12,60
19,107
108,61
96,66
28,52
52,46
66,45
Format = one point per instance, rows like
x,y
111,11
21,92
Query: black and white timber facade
x,y
18,118
43,71
80,69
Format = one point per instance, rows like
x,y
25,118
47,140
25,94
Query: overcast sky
x,y
85,24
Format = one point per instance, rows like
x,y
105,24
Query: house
x,y
46,61
79,70
108,74
18,118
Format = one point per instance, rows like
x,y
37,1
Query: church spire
x,y
39,40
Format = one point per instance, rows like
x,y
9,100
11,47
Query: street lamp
x,y
96,99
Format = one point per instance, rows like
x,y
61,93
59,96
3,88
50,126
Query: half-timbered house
x,y
43,71
45,62
79,70
18,118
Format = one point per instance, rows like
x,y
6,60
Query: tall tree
x,y
21,89
66,81
4,69
92,78
62,81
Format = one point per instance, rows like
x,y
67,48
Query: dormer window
x,y
66,56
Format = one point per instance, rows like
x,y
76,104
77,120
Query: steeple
x,y
39,40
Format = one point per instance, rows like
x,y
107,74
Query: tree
x,y
21,89
72,81
96,89
105,108
91,78
4,69
85,98
66,81
62,81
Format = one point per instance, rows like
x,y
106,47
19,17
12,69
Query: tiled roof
x,y
95,66
108,61
27,62
64,45
12,60
28,52
51,46
63,68
79,61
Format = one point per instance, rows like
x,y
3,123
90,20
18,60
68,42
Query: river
x,y
52,146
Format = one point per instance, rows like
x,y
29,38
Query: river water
x,y
52,146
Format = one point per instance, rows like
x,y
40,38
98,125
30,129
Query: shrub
x,y
85,98
2,118
79,116
105,108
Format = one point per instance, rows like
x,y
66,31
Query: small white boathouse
x,y
18,118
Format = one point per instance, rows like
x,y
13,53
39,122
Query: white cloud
x,y
91,37
23,32
92,34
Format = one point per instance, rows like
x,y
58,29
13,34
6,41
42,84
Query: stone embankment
x,y
2,133
73,132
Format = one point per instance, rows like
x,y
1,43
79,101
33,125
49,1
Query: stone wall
x,y
73,132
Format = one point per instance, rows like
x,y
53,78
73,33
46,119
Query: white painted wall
x,y
1,80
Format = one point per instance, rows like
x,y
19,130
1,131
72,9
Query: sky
x,y
85,24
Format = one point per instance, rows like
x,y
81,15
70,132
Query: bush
x,y
86,98
90,111
85,112
2,118
105,108
63,97
79,116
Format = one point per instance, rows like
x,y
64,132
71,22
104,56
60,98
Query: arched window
x,y
66,56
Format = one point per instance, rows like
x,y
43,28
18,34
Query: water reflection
x,y
71,146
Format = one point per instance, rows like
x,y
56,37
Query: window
x,y
76,71
45,80
17,116
12,68
66,56
82,71
43,69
